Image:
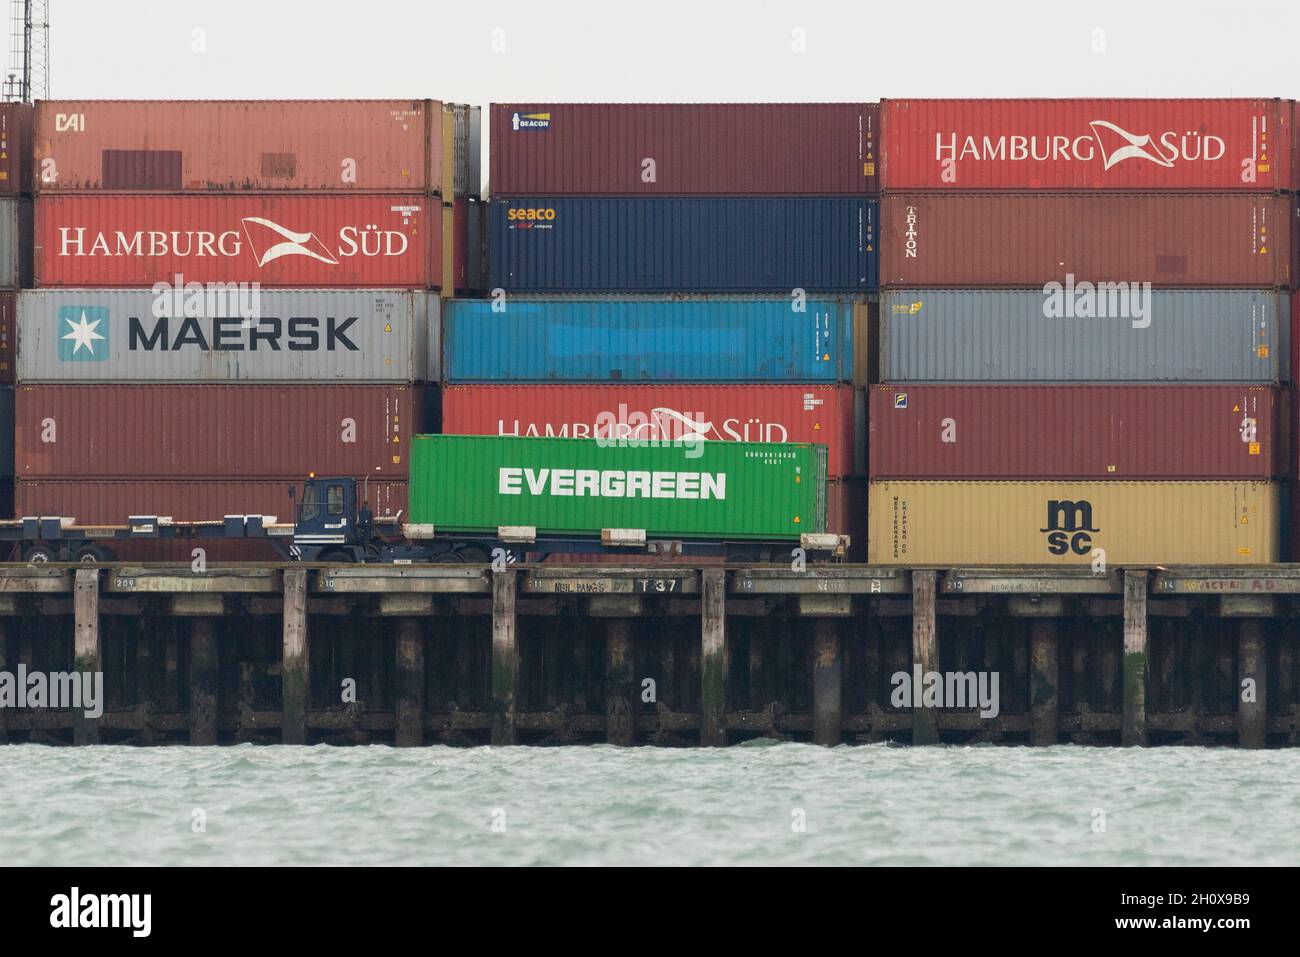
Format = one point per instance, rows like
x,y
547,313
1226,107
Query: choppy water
x,y
601,805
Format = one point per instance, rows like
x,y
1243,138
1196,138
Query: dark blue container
x,y
649,340
684,244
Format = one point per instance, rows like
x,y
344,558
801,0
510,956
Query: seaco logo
x,y
530,121
265,239
1069,527
1107,141
531,217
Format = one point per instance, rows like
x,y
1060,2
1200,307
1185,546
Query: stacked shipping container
x,y
248,344
1054,243
15,268
679,200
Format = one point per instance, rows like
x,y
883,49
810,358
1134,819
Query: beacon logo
x,y
530,121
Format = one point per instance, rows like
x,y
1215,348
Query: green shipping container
x,y
723,490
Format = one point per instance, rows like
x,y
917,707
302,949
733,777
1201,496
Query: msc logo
x,y
83,333
530,214
530,121
1069,527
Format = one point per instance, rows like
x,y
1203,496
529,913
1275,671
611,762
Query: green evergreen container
x,y
724,490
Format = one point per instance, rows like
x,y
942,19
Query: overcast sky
x,y
479,51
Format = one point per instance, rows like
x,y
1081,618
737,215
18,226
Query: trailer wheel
x,y
448,557
336,556
39,555
90,554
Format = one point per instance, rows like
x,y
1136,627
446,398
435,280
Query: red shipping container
x,y
159,431
366,240
740,413
1029,239
93,501
1240,144
348,145
8,337
562,149
1077,432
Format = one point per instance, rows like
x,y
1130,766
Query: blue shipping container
x,y
648,340
685,244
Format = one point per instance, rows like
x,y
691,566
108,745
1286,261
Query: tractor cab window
x,y
334,500
310,508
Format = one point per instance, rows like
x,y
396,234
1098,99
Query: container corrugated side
x,y
11,242
276,239
1077,431
661,413
684,244
166,431
1063,523
683,148
16,121
649,340
94,501
725,490
347,145
8,335
1218,144
972,335
300,335
1029,239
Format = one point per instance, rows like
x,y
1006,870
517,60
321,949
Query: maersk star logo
x,y
83,333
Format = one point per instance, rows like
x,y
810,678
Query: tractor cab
x,y
325,517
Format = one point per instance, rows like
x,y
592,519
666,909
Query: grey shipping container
x,y
298,335
11,245
969,335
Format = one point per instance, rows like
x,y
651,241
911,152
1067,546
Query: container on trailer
x,y
725,490
1218,144
345,145
1029,239
846,514
684,244
649,340
661,413
167,431
1077,431
111,239
976,335
95,501
1065,523
297,335
683,148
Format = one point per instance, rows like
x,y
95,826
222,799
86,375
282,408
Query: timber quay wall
x,y
468,655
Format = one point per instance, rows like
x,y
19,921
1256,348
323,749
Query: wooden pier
x,y
667,655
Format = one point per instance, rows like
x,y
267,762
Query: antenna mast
x,y
28,79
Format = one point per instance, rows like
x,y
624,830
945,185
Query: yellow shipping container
x,y
1062,523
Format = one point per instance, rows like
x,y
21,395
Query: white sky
x,y
674,50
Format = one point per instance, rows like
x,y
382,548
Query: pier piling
x,y
86,647
925,653
409,717
1133,719
828,715
293,728
505,656
713,678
